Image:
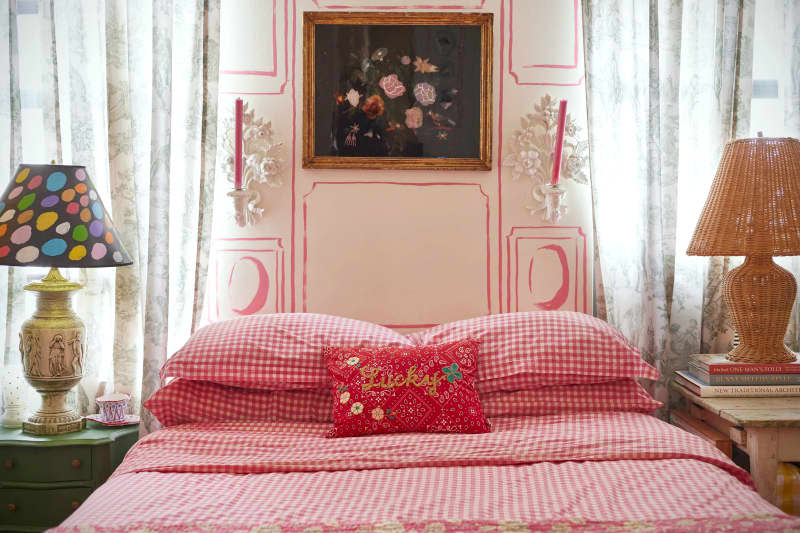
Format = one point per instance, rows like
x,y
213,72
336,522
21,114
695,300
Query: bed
x,y
572,467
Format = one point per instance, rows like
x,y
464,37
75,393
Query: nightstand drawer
x,y
48,507
61,463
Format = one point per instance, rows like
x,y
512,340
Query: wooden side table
x,y
44,478
766,429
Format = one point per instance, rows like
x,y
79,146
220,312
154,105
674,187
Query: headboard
x,y
407,248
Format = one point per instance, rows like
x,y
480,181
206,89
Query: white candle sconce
x,y
531,156
260,164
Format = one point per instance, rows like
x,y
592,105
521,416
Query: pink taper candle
x,y
237,150
562,120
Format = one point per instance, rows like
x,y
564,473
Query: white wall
x,y
402,248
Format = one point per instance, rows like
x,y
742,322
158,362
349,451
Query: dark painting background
x,y
345,58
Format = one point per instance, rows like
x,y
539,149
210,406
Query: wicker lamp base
x,y
760,295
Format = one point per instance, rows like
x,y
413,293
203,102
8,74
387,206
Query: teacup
x,y
113,407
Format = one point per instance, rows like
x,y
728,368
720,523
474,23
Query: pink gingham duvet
x,y
578,472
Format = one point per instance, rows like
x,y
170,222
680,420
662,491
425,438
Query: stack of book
x,y
713,375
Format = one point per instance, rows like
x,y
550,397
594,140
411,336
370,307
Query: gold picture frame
x,y
401,149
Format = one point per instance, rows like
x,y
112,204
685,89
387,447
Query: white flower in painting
x,y
357,408
377,413
353,97
425,93
344,397
353,361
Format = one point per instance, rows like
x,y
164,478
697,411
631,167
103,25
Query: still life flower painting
x,y
401,90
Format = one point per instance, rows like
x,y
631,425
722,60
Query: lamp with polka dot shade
x,y
52,216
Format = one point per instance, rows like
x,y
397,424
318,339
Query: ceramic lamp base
x,y
52,347
760,295
54,417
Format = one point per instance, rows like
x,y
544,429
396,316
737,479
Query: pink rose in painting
x,y
413,118
392,86
425,93
405,60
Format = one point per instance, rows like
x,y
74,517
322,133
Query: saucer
x,y
129,419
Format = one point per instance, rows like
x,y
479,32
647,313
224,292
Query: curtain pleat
x,y
157,296
12,298
208,161
668,84
129,90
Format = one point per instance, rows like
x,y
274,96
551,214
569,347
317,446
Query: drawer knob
x,y
75,505
12,507
76,463
8,464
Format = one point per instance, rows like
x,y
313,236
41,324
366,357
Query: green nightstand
x,y
44,478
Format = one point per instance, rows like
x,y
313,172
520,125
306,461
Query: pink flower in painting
x,y
405,60
392,86
425,93
413,118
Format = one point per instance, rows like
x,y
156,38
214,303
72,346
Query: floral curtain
x,y
128,89
668,84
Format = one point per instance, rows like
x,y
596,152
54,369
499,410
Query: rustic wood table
x,y
766,429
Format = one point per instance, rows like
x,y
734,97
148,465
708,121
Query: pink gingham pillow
x,y
619,395
184,401
521,351
277,351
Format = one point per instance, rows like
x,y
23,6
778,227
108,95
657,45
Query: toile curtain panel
x,y
668,84
128,89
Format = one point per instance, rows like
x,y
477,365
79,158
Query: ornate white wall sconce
x,y
260,164
531,156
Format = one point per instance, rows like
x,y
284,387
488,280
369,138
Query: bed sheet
x,y
577,472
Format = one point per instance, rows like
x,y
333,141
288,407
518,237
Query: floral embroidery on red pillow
x,y
392,389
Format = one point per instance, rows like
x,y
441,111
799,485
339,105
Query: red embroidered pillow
x,y
393,389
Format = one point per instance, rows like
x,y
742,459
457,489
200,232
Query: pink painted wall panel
x,y
405,248
552,22
397,253
248,277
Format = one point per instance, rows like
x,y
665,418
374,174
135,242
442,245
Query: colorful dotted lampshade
x,y
52,216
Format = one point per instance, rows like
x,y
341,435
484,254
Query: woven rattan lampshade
x,y
753,209
754,203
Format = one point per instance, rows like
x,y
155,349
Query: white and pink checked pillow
x,y
620,395
185,402
518,351
527,350
276,351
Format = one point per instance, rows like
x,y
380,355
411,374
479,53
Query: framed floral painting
x,y
397,90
